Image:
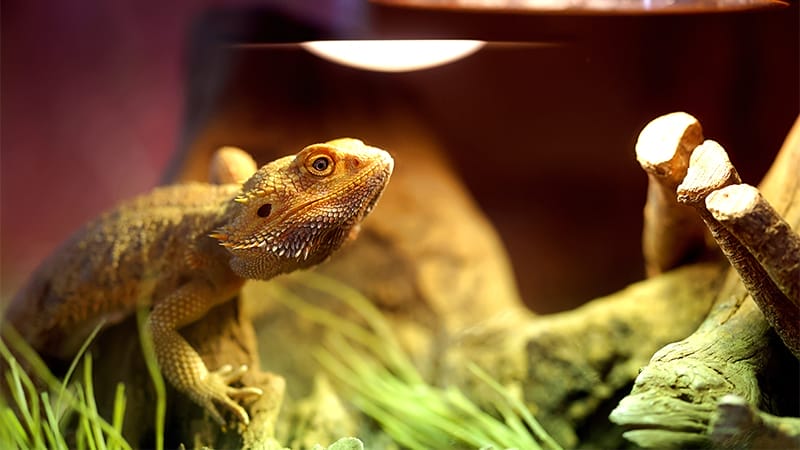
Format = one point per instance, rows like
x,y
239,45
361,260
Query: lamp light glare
x,y
393,55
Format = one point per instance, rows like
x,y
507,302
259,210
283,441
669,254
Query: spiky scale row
x,y
247,196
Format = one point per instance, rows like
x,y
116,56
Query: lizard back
x,y
133,253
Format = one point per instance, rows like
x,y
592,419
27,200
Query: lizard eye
x,y
264,210
320,165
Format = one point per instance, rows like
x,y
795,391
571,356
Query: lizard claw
x,y
217,388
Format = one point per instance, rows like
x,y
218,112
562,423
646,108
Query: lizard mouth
x,y
373,198
370,205
382,175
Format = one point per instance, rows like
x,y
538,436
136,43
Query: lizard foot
x,y
216,388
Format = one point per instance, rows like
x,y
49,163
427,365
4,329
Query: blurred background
x,y
104,100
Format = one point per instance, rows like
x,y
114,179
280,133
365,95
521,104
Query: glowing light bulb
x,y
393,56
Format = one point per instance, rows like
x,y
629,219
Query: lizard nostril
x,y
264,210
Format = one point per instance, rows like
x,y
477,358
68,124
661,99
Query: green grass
x,y
35,420
381,381
64,414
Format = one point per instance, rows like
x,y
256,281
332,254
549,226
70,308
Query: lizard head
x,y
297,210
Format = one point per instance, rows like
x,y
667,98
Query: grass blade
x,y
52,431
26,405
155,375
119,415
91,405
85,434
530,421
14,430
74,363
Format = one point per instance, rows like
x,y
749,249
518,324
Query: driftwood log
x,y
735,350
570,368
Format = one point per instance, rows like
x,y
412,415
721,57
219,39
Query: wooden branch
x,y
745,213
710,170
672,232
665,145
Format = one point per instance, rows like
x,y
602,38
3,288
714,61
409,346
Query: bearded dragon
x,y
185,248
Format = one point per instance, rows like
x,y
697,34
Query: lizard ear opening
x,y
264,210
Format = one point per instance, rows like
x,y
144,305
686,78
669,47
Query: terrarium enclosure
x,y
509,238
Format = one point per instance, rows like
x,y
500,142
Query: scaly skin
x,y
184,249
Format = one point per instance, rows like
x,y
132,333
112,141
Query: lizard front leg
x,y
181,364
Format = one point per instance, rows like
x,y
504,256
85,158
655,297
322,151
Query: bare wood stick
x,y
749,217
672,232
665,145
747,214
711,170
